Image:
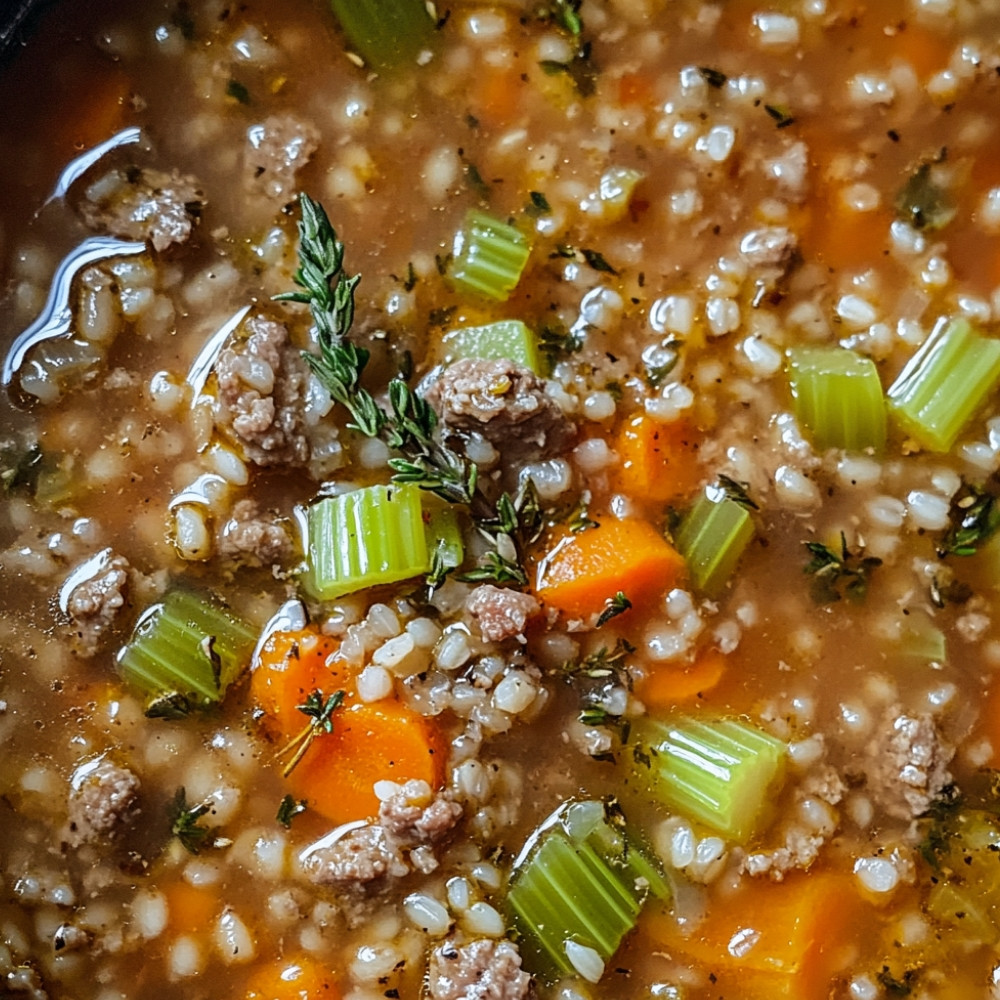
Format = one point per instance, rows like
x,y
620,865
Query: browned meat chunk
x,y
908,765
501,612
361,856
408,815
261,386
103,801
160,208
480,970
94,603
251,540
506,404
276,150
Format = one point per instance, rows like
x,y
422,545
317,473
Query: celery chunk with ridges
x,y
711,538
837,397
488,256
385,33
721,773
369,537
506,339
945,383
188,646
581,880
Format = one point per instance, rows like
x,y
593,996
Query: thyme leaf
x,y
320,711
288,809
737,492
184,821
615,606
838,573
974,518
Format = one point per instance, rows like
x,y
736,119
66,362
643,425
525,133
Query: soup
x,y
501,504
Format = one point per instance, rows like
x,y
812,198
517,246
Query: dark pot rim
x,y
17,20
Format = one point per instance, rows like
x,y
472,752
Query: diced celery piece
x,y
505,339
945,383
711,538
444,535
966,890
385,33
365,538
722,773
488,256
187,645
837,397
582,877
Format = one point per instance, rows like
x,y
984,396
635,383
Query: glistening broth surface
x,y
707,190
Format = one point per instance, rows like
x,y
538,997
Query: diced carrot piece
x,y
291,666
772,939
636,88
580,572
190,908
658,461
496,96
370,742
665,686
303,978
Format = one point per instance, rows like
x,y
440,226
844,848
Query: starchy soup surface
x,y
501,501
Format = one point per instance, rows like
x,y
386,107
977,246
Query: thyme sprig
x,y
974,518
838,573
613,607
516,523
184,821
408,426
320,710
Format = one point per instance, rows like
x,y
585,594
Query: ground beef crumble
x,y
248,539
276,150
261,387
143,204
94,603
906,765
505,403
500,611
103,801
481,970
409,822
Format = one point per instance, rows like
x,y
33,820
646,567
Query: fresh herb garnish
x,y
173,705
922,203
597,261
537,205
410,281
20,470
896,987
660,361
737,492
604,663
614,606
713,77
184,822
781,115
974,517
838,574
516,523
320,710
409,425
479,187
555,342
289,809
238,92
579,518
580,69
564,14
